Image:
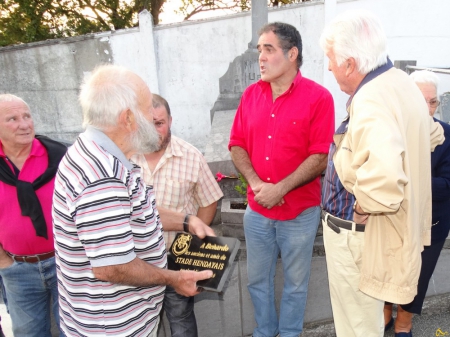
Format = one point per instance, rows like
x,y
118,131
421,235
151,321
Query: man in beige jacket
x,y
377,189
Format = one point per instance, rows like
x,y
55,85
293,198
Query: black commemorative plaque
x,y
189,252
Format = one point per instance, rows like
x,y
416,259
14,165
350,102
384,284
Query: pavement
x,y
426,325
434,321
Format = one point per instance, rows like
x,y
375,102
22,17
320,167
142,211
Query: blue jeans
x,y
180,313
31,290
265,239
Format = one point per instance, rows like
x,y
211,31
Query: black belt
x,y
334,223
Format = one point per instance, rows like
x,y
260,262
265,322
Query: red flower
x,y
220,176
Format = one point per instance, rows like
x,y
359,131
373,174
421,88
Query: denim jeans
x,y
31,290
180,313
265,239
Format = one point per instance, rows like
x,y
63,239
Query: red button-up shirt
x,y
279,135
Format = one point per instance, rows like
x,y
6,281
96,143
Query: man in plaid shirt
x,y
183,182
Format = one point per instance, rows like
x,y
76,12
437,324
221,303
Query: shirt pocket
x,y
294,134
177,194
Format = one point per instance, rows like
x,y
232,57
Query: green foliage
x,y
23,21
242,187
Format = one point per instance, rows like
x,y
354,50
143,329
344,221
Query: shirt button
x,y
270,137
268,179
267,158
273,115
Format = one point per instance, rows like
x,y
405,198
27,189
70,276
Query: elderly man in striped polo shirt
x,y
183,182
110,251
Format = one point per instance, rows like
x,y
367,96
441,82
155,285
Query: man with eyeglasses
x,y
427,82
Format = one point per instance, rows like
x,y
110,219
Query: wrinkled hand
x,y
186,283
5,259
360,219
199,228
268,195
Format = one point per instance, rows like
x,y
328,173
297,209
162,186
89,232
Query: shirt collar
x,y
173,148
370,76
107,144
37,149
295,82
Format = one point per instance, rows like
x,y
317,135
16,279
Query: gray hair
x,y
158,101
13,98
110,90
357,34
425,76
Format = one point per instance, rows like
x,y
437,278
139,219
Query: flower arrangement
x,y
241,188
220,176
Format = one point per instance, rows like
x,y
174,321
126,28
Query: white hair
x,y
13,98
110,90
145,138
425,76
357,34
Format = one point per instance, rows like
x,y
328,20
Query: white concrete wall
x,y
184,61
193,56
416,29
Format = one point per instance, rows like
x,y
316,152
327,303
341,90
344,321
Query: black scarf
x,y
26,195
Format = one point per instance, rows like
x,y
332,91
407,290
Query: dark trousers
x,y
430,256
180,313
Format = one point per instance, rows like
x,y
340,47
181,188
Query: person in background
x,y
377,187
427,81
182,182
279,142
28,165
110,250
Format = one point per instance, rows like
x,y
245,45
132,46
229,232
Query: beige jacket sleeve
x,y
378,151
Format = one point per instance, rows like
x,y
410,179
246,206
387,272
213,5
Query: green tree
x,y
23,21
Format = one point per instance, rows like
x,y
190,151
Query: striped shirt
x,y
335,198
182,180
103,214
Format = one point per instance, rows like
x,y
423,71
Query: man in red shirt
x,y
28,165
279,141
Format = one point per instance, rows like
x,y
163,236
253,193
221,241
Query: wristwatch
x,y
186,223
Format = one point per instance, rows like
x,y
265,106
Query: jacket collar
x,y
369,77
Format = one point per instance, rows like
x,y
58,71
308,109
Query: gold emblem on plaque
x,y
181,244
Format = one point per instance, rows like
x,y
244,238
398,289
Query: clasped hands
x,y
268,195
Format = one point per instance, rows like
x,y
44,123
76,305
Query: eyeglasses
x,y
434,103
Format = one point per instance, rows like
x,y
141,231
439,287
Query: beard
x,y
145,139
165,141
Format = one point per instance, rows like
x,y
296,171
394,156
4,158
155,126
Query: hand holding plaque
x,y
189,252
